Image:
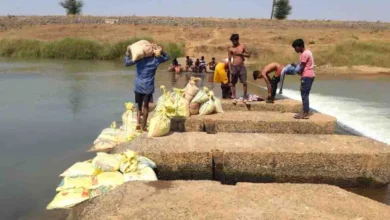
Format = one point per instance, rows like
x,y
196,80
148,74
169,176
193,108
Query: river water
x,y
51,111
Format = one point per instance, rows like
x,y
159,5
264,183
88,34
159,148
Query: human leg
x,y
139,101
306,84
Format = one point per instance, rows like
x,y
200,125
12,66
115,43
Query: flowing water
x,y
51,111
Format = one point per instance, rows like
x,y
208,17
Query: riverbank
x,y
334,43
75,48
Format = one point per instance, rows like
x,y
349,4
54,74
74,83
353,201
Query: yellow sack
x,y
75,182
180,104
101,145
145,174
129,121
100,191
160,124
145,162
164,102
107,162
107,179
107,137
191,89
217,103
130,164
207,108
68,198
202,96
80,169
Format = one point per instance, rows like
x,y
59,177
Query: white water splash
x,y
369,119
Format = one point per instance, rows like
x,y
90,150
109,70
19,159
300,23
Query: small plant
x,y
312,42
355,37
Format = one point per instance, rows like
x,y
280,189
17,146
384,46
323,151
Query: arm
x,y
164,57
229,62
128,61
267,81
299,69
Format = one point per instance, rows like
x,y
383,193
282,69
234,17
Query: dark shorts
x,y
238,73
143,98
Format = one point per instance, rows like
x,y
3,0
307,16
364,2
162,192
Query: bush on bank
x,y
75,48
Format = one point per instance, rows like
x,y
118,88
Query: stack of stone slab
x,y
260,143
264,143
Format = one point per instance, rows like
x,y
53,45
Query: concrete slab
x,y
176,158
269,122
192,124
234,157
211,200
280,105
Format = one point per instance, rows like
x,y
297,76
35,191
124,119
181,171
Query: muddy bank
x,y
211,200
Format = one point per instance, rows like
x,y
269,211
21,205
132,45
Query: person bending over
x,y
272,83
144,84
221,75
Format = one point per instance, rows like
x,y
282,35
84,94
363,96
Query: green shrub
x,y
72,48
20,48
174,50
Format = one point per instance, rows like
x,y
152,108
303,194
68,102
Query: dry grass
x,y
267,44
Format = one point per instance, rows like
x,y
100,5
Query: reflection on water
x,y
50,113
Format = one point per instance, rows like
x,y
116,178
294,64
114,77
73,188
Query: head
x,y
235,39
298,45
257,75
213,59
202,58
188,57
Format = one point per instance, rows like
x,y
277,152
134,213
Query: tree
x,y
72,7
282,9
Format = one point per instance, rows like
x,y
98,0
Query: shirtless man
x,y
189,64
272,84
237,69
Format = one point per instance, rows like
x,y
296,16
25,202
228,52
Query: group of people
x,y
232,70
228,72
199,66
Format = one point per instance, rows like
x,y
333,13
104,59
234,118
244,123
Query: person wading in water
x,y
237,69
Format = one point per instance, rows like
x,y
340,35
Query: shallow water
x,y
51,111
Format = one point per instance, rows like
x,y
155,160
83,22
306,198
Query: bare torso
x,y
238,60
273,67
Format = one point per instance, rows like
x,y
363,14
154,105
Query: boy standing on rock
x,y
144,84
307,78
237,69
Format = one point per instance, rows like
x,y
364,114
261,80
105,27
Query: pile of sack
x,y
201,102
182,103
89,179
142,49
111,137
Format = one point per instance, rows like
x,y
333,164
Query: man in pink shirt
x,y
307,77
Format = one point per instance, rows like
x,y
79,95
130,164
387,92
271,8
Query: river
x,y
51,111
